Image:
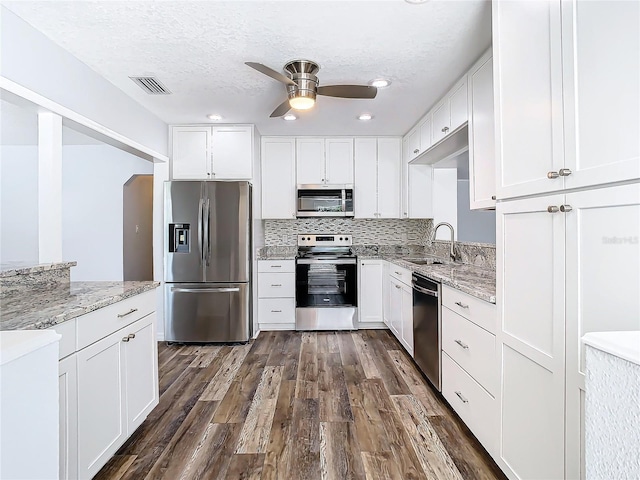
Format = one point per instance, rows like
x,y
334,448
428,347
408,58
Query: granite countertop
x,y
46,307
9,269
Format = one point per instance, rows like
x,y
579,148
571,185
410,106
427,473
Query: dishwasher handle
x,y
425,291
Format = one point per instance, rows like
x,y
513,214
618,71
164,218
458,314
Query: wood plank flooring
x,y
291,405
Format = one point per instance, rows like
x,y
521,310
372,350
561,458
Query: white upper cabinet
x,y
324,161
451,112
377,177
278,166
601,62
223,152
310,161
528,97
482,163
417,185
441,120
413,143
339,161
232,152
190,157
425,132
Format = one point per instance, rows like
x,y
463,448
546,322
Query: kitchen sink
x,y
426,261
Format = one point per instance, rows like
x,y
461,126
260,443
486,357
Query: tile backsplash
x,y
364,231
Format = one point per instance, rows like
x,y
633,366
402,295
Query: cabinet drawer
x,y
478,311
68,341
399,273
276,310
473,348
276,285
471,402
276,266
100,323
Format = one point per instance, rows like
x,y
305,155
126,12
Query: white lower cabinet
x,y
401,306
68,434
370,308
386,284
276,294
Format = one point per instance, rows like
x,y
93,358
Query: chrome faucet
x,y
452,252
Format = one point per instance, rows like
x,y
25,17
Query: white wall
x,y
19,203
32,60
92,181
474,225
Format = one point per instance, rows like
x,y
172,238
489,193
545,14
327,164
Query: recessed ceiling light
x,y
289,117
380,83
365,116
416,1
215,117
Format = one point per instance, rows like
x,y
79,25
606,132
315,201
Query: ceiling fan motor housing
x,y
303,72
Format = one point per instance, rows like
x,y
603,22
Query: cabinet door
x,y
404,187
425,133
528,90
190,153
458,105
278,170
386,284
413,143
68,435
339,161
602,285
441,121
395,308
482,161
101,410
531,337
445,200
407,318
366,178
602,91
389,168
141,370
370,304
310,161
232,148
420,191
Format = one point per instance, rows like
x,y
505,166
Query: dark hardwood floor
x,y
291,405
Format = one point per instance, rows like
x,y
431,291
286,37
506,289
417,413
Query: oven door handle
x,y
425,291
337,261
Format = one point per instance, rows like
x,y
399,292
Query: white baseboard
x,y
267,327
160,336
372,326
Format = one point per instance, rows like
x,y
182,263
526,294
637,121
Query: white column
x,y
49,187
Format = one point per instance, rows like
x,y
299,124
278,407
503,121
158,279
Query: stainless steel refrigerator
x,y
207,261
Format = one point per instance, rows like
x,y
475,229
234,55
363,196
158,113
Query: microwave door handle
x,y
344,202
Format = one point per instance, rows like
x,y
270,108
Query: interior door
x,y
227,231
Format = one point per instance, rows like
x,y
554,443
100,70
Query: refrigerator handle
x,y
207,233
201,230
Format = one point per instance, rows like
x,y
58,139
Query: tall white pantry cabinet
x,y
567,123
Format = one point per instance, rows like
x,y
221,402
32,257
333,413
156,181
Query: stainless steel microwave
x,y
325,201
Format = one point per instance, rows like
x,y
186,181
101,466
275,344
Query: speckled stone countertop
x,y
476,281
10,269
46,307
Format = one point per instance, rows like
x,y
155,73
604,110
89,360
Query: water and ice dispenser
x,y
179,238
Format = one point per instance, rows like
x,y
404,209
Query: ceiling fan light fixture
x,y
365,116
416,2
289,117
380,83
302,102
215,117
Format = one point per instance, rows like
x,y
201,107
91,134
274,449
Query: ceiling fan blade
x,y
281,109
271,73
348,91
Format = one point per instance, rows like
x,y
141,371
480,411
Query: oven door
x,y
324,201
326,283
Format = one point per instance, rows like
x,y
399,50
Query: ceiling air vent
x,y
151,85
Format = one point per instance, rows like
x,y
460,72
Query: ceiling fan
x,y
302,86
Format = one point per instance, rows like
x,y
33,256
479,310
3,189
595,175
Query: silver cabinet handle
x,y
493,197
552,209
565,172
276,284
552,175
276,266
276,311
132,335
397,286
464,400
133,310
565,208
397,273
462,344
460,304
126,339
445,129
416,150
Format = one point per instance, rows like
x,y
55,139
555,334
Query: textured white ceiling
x,y
198,49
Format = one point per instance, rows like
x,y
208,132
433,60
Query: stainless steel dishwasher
x,y
426,327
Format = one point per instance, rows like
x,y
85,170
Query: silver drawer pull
x,y
132,335
398,273
276,266
126,339
462,344
133,310
276,284
462,305
276,311
397,286
464,400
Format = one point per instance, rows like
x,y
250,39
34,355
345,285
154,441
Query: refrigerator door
x,y
184,204
207,312
227,231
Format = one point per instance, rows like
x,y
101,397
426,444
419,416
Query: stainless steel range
x,y
326,283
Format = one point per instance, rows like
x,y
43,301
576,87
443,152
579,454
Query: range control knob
x,y
340,238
